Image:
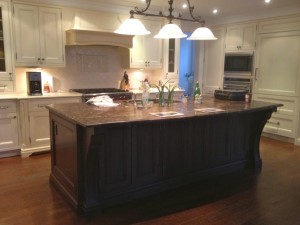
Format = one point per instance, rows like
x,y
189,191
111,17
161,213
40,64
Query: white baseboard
x,y
279,138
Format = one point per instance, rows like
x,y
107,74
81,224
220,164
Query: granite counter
x,y
89,115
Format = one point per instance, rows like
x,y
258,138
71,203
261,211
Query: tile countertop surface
x,y
15,96
89,115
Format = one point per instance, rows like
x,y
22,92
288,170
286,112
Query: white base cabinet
x,y
35,130
283,122
8,127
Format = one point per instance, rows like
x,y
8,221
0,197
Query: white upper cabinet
x,y
240,37
171,58
277,64
38,36
147,50
214,63
6,65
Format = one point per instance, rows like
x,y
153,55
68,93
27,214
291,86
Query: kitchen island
x,y
102,156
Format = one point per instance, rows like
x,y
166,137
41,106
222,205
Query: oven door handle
x,y
255,74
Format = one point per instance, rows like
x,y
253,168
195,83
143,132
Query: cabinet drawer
x,y
281,125
6,107
290,104
39,105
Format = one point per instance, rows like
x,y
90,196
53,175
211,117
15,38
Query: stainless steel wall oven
x,y
238,71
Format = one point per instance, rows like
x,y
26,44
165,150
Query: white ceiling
x,y
229,10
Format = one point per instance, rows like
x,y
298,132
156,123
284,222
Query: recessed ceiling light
x,y
215,11
267,1
184,6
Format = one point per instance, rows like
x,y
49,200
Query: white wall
x,y
88,67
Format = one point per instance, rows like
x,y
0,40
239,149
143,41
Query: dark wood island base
x,y
106,156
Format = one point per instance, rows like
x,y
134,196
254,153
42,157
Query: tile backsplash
x,y
87,67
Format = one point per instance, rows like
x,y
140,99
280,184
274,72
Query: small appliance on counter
x,y
232,95
34,83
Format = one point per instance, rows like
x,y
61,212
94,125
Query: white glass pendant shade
x,y
202,33
170,31
132,26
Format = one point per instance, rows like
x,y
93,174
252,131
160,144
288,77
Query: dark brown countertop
x,y
89,115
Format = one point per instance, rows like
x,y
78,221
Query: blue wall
x,y
186,65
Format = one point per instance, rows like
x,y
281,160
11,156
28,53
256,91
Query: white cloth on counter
x,y
102,100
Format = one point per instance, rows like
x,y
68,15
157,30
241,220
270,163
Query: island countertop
x,y
88,115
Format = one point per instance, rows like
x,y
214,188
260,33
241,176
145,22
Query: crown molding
x,y
82,4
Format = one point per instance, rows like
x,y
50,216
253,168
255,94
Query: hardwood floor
x,y
268,197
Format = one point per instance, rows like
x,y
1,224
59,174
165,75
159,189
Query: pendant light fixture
x,y
202,33
170,30
133,26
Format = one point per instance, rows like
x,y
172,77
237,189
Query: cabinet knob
x,y
255,74
277,123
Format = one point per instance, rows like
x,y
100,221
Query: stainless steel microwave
x,y
238,63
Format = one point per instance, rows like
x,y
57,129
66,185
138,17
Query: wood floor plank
x,y
268,197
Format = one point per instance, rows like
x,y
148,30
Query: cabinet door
x,y
175,137
6,79
240,38
8,126
64,154
248,37
38,32
277,63
8,132
27,42
171,55
214,63
115,160
146,159
153,46
233,38
137,52
51,40
39,129
147,51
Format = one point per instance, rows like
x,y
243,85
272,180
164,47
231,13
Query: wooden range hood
x,y
90,37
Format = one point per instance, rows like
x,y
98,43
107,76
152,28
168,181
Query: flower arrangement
x,y
170,93
161,98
